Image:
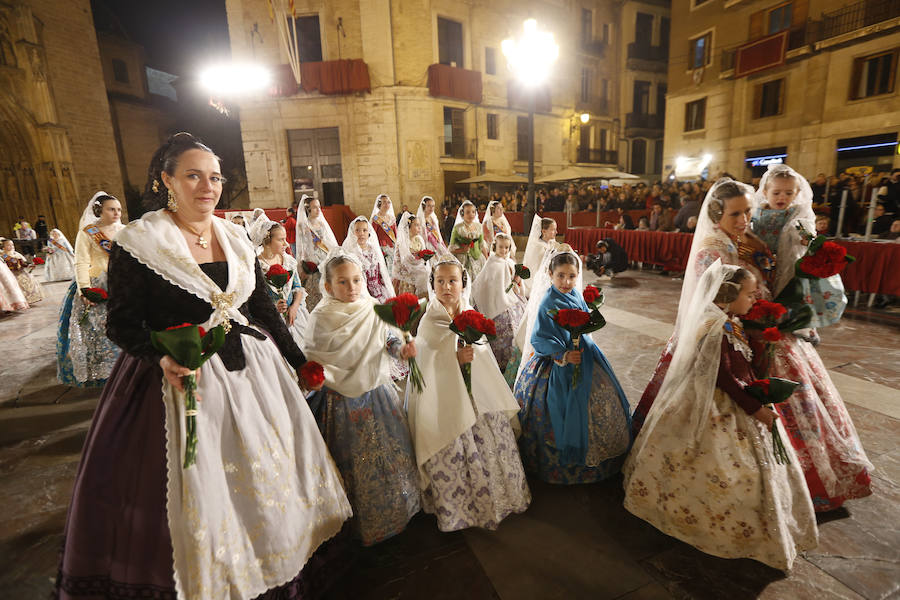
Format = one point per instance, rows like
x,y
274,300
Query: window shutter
x,y
756,24
858,65
757,101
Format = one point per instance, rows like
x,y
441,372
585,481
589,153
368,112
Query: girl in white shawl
x,y
60,258
541,238
428,220
22,269
469,466
270,238
495,222
362,242
385,225
492,296
410,271
358,410
702,469
314,241
467,239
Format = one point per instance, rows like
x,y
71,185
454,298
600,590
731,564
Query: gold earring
x,y
172,204
155,186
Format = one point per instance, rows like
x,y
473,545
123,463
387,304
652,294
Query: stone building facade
x,y
56,138
439,105
808,82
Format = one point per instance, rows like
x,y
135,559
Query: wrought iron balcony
x,y
856,16
643,121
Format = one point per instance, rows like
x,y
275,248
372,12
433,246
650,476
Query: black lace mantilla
x,y
140,301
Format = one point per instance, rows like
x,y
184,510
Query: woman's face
x,y
384,205
54,234
196,183
414,229
428,207
345,282
549,233
502,247
469,213
278,242
315,209
497,211
361,231
564,277
736,216
746,297
448,284
111,212
780,192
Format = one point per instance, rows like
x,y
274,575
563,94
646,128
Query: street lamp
x,y
235,79
530,57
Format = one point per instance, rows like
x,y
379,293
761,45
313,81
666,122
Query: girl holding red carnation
x,y
314,241
506,308
467,240
410,271
384,221
271,238
702,468
817,421
358,411
570,435
20,268
469,467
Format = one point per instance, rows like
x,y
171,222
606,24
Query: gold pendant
x,y
202,242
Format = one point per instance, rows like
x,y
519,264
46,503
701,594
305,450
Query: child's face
x,y
413,228
448,284
564,277
780,192
315,209
54,235
345,282
821,225
469,213
502,247
361,231
746,297
278,242
384,206
8,246
549,233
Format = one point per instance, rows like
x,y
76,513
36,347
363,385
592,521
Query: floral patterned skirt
x,y
84,355
725,495
820,428
368,437
33,291
313,294
478,479
608,427
506,323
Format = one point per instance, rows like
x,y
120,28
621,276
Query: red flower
x,y
570,317
591,294
424,254
762,384
38,260
489,327
828,260
771,334
401,312
763,309
95,294
312,373
309,267
403,306
277,269
179,326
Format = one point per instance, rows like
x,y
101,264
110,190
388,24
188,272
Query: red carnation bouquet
x,y
37,260
774,319
312,374
773,390
95,295
522,272
277,277
425,254
822,259
309,267
190,346
404,312
471,326
578,322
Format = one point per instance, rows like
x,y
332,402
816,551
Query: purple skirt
x,y
116,541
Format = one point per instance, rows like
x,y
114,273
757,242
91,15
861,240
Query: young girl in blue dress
x,y
569,434
358,410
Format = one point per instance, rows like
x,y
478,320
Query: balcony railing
x,y
856,16
646,52
643,121
597,156
457,147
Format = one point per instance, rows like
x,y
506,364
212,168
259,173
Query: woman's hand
x,y
281,306
408,350
292,314
766,416
517,280
573,357
87,302
174,372
466,354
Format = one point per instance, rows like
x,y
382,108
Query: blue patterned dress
x,y
368,437
593,419
826,296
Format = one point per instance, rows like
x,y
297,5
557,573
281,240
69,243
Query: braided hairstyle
x,y
99,201
724,189
731,286
166,159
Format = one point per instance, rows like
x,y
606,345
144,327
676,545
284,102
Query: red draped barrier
x,y
875,271
338,217
667,249
584,218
